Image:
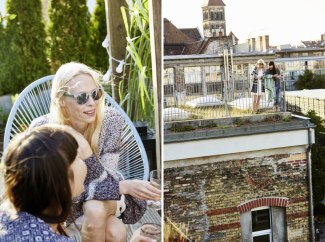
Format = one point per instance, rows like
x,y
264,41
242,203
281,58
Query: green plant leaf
x,y
12,16
137,95
125,20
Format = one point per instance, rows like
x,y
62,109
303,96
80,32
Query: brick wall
x,y
206,198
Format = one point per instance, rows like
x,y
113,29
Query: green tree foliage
x,y
7,17
2,56
309,80
24,50
318,162
69,32
98,34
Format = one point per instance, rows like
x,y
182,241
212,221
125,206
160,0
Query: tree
x,y
2,57
318,163
7,17
309,80
98,34
69,32
25,54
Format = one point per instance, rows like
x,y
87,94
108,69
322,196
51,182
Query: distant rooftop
x,y
314,44
315,93
174,35
207,56
193,33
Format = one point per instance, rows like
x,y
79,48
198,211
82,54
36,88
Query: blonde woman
x,y
77,100
258,83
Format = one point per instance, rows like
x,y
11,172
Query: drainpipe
x,y
311,207
310,186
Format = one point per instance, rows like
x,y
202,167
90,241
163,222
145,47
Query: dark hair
x,y
273,71
37,173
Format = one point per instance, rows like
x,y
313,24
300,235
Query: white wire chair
x,y
34,101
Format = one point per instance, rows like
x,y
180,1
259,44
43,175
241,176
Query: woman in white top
x,y
258,83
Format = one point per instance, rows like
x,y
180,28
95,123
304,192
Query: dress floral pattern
x,y
23,226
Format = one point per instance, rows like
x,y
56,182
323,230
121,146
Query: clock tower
x,y
214,22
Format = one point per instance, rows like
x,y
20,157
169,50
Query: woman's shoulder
x,y
39,121
110,111
112,115
26,226
112,127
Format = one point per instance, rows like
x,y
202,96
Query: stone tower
x,y
214,22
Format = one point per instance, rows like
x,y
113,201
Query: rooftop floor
x,y
228,127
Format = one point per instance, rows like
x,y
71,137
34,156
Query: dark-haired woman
x,y
275,72
43,170
38,171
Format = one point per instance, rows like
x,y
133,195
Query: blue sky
x,y
285,21
2,6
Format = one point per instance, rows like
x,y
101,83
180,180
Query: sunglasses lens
x,y
82,98
97,94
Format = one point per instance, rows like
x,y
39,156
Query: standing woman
x,y
258,83
275,72
77,100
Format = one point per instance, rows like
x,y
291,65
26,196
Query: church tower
x,y
214,22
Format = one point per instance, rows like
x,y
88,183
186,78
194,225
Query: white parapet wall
x,y
181,152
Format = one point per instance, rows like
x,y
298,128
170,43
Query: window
x,y
206,15
264,224
193,80
214,16
213,79
168,76
261,225
169,81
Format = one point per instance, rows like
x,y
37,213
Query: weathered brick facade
x,y
209,198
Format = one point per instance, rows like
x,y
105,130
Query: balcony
x,y
206,92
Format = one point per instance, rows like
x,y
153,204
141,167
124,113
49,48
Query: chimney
x,y
249,44
260,42
253,44
267,42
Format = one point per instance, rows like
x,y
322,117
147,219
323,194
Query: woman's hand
x,y
137,237
276,76
139,189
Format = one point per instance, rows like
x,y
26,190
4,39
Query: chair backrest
x,y
34,101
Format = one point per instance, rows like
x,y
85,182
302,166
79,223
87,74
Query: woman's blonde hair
x,y
60,85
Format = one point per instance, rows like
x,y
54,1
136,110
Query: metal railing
x,y
206,100
298,104
201,99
